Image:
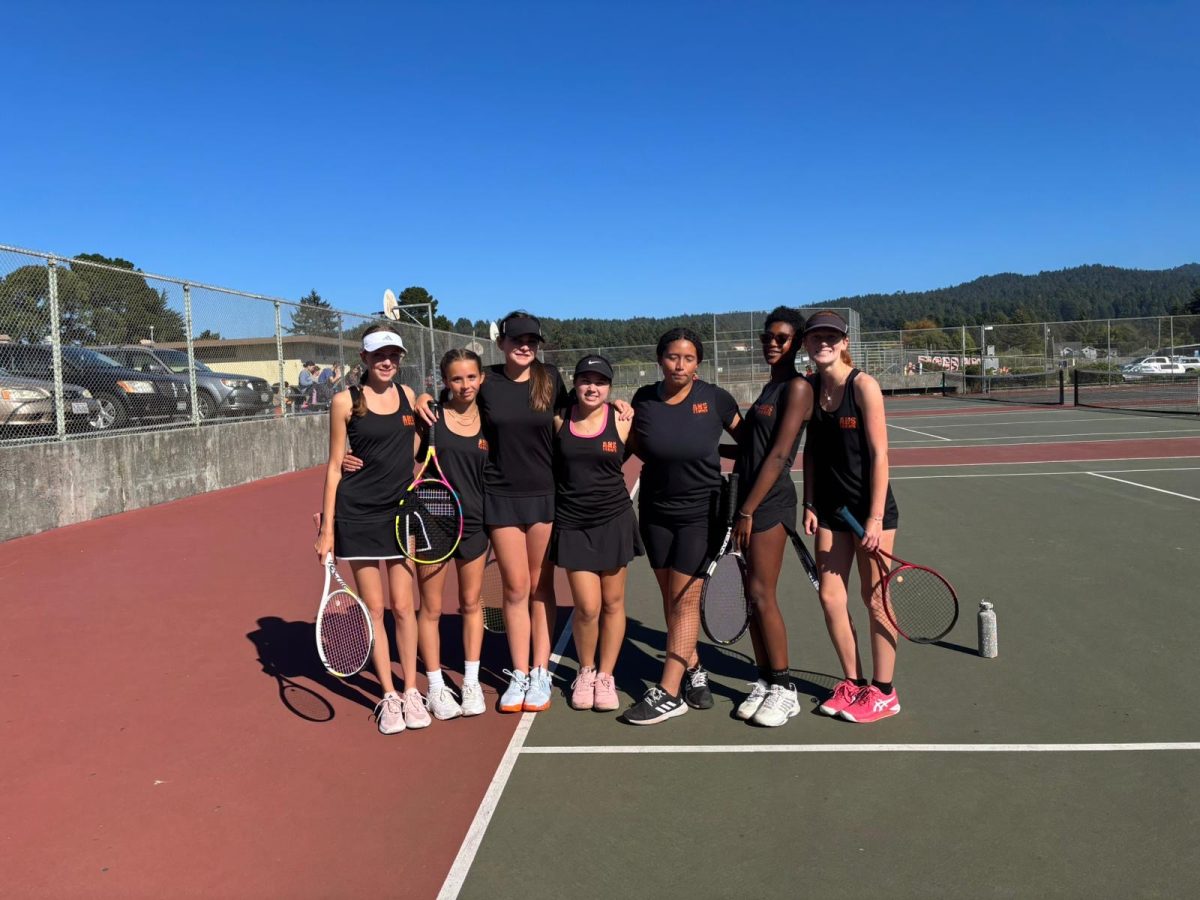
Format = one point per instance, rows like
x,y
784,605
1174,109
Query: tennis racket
x,y
918,601
491,596
806,560
724,610
344,631
430,523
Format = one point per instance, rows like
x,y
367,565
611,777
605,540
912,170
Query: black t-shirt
x,y
588,476
462,460
756,438
519,437
678,444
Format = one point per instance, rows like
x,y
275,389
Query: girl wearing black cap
x,y
595,531
846,464
677,427
766,449
359,513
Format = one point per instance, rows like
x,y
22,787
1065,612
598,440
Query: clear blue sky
x,y
602,158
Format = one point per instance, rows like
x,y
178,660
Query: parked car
x,y
217,393
1154,365
27,406
1189,363
124,395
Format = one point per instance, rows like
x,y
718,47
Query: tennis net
x,y
1138,392
1038,388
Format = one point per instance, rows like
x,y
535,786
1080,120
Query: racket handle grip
x,y
988,644
848,517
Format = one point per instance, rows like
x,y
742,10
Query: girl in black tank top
x,y
462,452
765,451
845,463
359,509
595,530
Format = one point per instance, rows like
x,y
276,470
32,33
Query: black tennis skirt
x,y
373,538
500,511
597,548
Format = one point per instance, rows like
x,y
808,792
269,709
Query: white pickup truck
x,y
1156,365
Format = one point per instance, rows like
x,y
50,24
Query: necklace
x,y
464,420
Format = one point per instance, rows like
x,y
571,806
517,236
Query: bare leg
x,y
765,558
432,580
470,583
683,626
513,559
543,610
400,585
585,591
370,587
612,618
883,635
835,549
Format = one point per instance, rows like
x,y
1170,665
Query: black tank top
x,y
385,445
759,429
841,453
589,484
462,460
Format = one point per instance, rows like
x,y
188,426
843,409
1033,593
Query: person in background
x,y
307,381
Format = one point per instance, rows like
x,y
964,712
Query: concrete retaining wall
x,y
43,486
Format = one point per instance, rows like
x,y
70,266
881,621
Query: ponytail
x,y
846,358
541,388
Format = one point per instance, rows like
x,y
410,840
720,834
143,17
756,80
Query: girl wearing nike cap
x,y
846,464
359,512
595,531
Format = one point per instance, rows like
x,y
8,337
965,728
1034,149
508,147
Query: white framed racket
x,y
345,634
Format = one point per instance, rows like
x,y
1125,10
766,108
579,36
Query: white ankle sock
x,y
471,671
436,682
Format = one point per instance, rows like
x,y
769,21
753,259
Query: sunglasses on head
x,y
776,338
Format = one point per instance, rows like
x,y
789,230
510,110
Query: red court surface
x,y
147,752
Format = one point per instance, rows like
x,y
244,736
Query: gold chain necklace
x,y
464,420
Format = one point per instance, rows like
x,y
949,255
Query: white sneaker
x,y
780,705
472,699
443,705
389,713
415,713
749,706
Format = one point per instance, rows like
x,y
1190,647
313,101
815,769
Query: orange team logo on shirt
x,y
408,421
850,422
483,444
765,409
608,446
699,409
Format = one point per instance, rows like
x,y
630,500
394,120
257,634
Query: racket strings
x,y
345,634
724,604
922,603
491,598
433,523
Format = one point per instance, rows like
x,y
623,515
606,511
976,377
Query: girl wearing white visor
x,y
359,512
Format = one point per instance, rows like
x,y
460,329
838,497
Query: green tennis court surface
x,y
1065,767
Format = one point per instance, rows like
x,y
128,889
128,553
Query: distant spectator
x,y
329,382
308,382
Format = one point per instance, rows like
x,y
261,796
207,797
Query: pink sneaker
x,y
872,704
583,689
843,695
606,693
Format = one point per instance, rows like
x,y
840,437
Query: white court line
x,y
491,799
864,748
914,431
1030,422
1032,474
1146,486
1103,435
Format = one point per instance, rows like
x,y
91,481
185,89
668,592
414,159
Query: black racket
x,y
491,595
806,560
917,599
724,610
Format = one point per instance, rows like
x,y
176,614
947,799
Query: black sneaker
x,y
656,706
695,688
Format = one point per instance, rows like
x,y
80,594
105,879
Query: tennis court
x,y
150,752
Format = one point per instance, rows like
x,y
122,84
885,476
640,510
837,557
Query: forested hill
x,y
1084,292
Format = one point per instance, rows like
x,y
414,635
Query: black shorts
x,y
828,518
373,538
685,545
766,519
499,511
597,548
472,546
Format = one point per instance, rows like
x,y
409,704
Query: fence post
x,y
60,418
1171,324
191,353
433,362
279,359
716,355
341,348
962,356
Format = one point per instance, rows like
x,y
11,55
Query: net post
x,y
1075,386
1062,396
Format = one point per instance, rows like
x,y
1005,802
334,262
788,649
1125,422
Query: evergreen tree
x,y
314,317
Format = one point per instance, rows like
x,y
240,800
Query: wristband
x,y
812,507
746,515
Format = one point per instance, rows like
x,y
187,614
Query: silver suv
x,y
217,393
